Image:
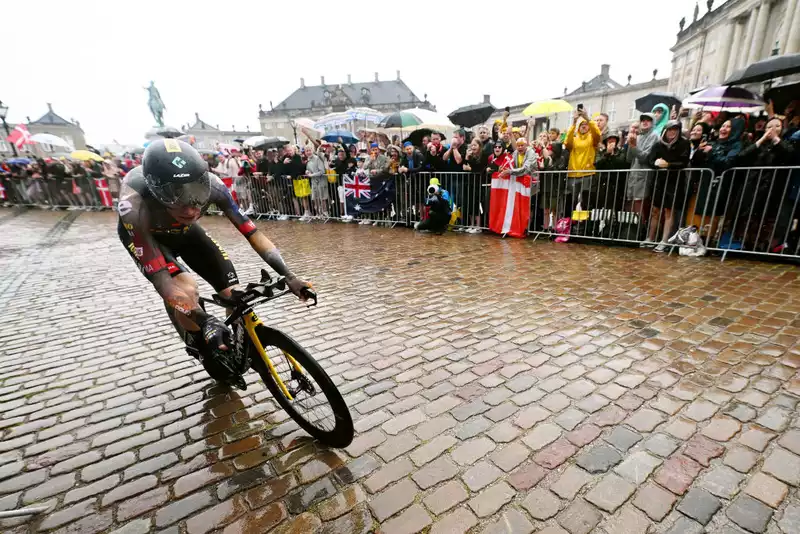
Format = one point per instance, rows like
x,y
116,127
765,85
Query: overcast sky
x,y
93,59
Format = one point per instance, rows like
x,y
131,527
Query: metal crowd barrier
x,y
61,193
625,206
754,211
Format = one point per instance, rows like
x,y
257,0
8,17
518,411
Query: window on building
x,y
612,113
691,56
632,112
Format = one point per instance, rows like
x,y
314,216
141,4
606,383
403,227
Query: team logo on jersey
x,y
124,207
179,162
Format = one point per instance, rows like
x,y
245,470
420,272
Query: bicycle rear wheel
x,y
317,406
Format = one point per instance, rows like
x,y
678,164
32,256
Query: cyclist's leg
x,y
205,256
180,275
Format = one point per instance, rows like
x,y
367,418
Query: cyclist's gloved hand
x,y
215,333
296,286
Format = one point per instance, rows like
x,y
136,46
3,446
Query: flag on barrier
x,y
380,196
102,189
509,205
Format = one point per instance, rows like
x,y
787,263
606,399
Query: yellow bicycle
x,y
301,387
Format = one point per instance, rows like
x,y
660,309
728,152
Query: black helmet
x,y
175,173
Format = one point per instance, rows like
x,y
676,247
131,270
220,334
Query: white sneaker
x,y
475,231
661,247
375,223
283,218
647,244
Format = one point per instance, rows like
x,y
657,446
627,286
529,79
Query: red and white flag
x,y
510,205
102,189
20,136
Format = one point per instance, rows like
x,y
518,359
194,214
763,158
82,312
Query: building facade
x,y
730,37
601,94
208,137
317,100
52,123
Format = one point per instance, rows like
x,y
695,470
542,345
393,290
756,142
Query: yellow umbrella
x,y
546,107
85,155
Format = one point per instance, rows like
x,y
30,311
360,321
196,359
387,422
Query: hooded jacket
x,y
660,125
724,154
639,185
582,148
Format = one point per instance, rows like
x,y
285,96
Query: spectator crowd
x,y
654,176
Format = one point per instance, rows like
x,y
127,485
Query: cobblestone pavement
x,y
497,386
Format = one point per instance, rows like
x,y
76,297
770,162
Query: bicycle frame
x,y
242,303
251,321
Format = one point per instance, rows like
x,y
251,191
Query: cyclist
x,y
160,203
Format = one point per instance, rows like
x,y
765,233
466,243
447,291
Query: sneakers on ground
x,y
647,244
661,247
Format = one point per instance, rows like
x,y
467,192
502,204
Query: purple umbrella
x,y
724,98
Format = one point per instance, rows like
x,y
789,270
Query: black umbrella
x,y
647,102
782,96
416,136
766,69
469,116
169,132
272,142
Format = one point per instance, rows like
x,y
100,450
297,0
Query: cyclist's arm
x,y
260,242
136,221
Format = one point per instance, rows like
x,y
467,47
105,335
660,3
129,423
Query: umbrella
x,y
207,152
334,135
19,161
169,132
50,139
332,120
781,96
400,119
766,69
85,155
647,102
546,107
271,142
137,150
230,148
469,116
255,140
428,119
723,98
416,136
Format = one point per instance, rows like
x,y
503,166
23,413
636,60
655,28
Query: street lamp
x,y
3,113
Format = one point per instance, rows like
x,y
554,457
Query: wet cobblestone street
x,y
496,386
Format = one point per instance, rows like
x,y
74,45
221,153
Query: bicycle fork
x,y
251,321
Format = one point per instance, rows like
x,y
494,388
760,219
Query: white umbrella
x,y
50,139
255,140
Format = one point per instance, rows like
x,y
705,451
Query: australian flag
x,y
365,195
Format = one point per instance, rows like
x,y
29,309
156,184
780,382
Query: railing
x,y
52,192
753,211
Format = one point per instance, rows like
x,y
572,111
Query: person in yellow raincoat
x,y
582,139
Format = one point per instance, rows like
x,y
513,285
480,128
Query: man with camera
x,y
439,209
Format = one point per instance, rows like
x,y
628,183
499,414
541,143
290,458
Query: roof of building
x,y
200,124
599,83
51,117
357,94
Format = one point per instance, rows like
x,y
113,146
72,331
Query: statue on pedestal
x,y
155,103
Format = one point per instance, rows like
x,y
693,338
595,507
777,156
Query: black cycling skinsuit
x,y
155,240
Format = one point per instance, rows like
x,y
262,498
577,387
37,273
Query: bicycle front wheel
x,y
315,404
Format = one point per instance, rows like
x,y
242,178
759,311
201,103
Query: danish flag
x,y
20,136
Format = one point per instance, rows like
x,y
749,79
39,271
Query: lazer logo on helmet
x,y
181,175
179,162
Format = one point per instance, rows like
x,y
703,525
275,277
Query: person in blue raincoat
x,y
661,114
